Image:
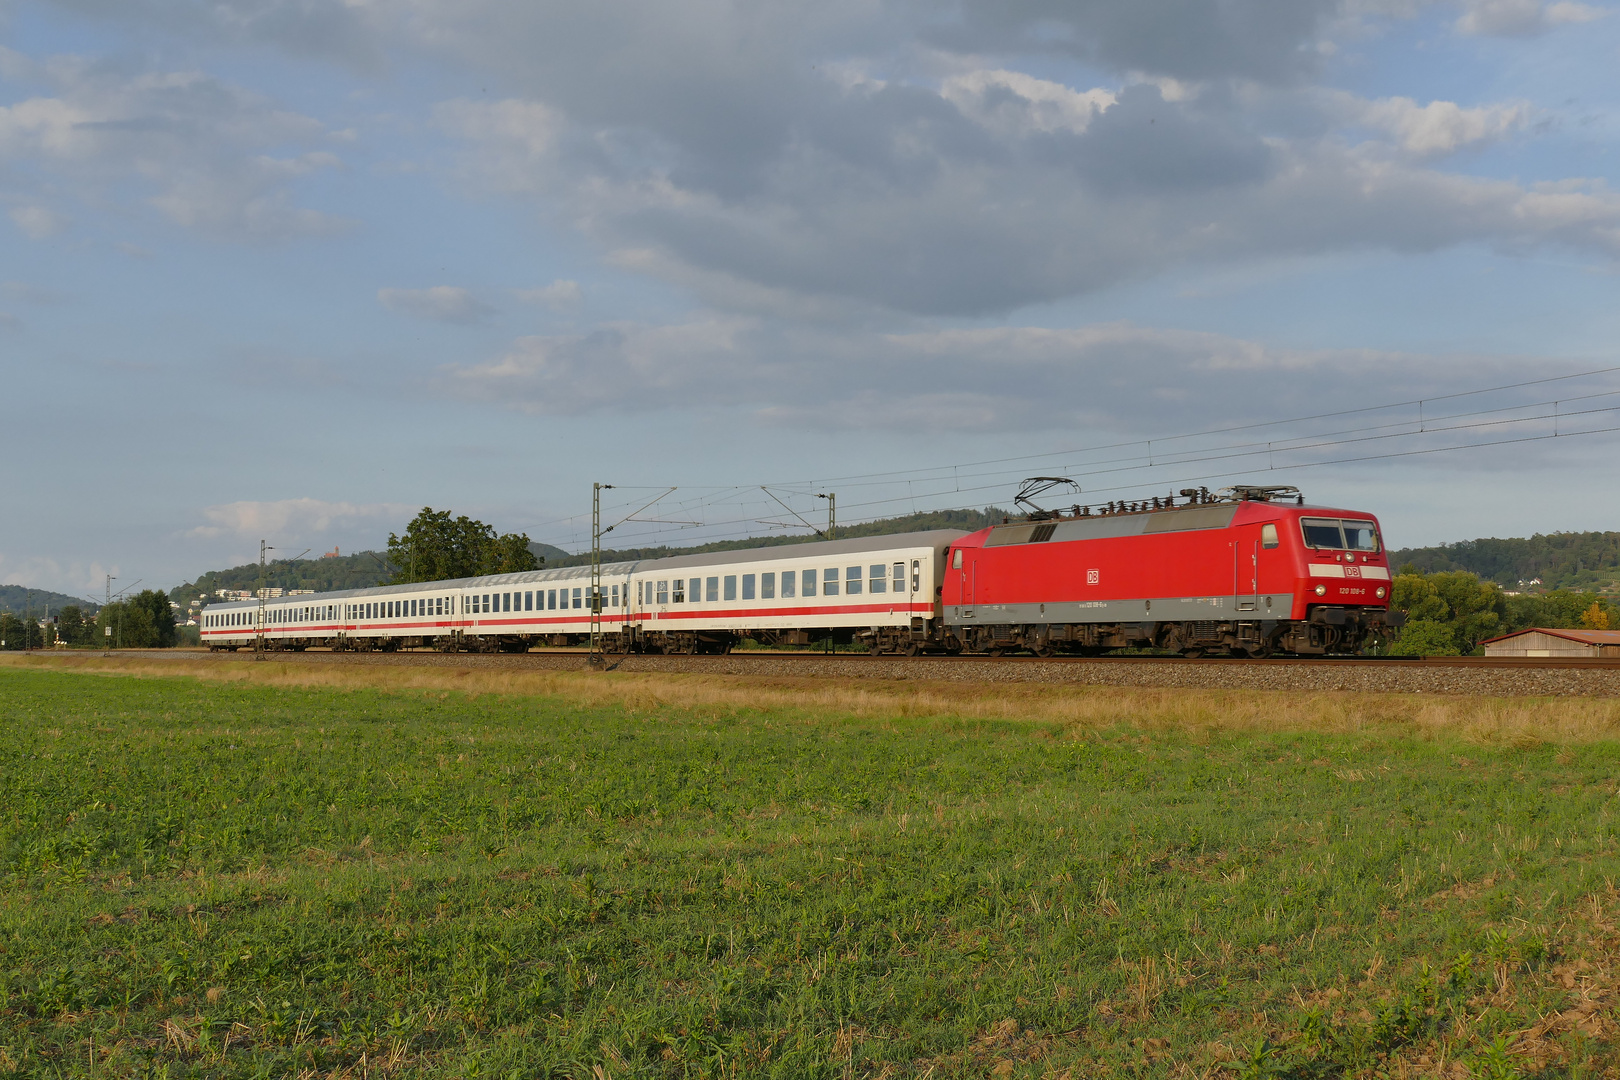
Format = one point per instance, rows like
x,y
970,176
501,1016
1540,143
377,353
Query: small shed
x,y
1560,644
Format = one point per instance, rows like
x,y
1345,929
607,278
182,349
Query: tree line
x,y
1449,612
1565,560
142,621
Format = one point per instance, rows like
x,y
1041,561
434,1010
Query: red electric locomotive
x,y
1251,571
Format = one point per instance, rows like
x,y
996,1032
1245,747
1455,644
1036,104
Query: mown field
x,y
272,873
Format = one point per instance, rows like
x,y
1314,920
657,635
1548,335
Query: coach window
x,y
1268,535
916,574
578,600
694,589
731,586
852,580
829,581
790,579
899,577
808,581
528,601
506,601
615,596
678,593
748,587
663,592
767,586
878,576
711,591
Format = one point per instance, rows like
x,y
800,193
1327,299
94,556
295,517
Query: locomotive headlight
x,y
1321,590
1379,592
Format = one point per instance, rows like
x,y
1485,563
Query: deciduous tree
x,y
437,547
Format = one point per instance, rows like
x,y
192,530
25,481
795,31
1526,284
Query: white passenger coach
x,y
882,591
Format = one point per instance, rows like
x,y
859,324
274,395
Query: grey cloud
x,y
1102,378
1269,40
341,32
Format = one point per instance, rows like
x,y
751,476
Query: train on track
x,y
1250,571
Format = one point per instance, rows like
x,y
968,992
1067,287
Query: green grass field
x,y
221,880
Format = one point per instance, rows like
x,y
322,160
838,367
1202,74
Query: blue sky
x,y
292,269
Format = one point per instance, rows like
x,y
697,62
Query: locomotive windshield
x,y
1338,535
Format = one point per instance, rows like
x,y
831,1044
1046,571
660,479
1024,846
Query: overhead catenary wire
x,y
949,479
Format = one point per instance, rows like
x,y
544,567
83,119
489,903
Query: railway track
x,y
1446,675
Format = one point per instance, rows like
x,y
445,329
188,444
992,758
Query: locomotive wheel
x,y
911,648
1192,654
874,649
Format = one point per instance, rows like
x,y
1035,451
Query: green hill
x,y
1587,561
19,599
358,571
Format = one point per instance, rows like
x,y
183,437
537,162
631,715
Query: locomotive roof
x,y
1218,515
820,549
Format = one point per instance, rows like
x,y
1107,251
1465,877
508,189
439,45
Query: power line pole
x,y
106,631
832,514
596,571
258,637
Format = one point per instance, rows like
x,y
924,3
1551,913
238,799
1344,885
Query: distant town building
x,y
1560,644
331,554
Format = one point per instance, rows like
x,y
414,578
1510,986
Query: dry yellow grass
x,y
1496,720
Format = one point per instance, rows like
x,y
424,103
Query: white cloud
x,y
38,222
1521,18
441,303
208,155
1020,104
560,295
291,519
515,139
1441,127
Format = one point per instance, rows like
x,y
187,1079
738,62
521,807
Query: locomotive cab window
x,y
1360,536
956,559
1335,535
1268,535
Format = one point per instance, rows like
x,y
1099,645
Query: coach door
x,y
1246,548
965,566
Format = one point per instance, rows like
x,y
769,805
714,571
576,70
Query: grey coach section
x,y
1112,526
